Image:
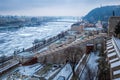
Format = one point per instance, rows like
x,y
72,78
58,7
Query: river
x,y
23,37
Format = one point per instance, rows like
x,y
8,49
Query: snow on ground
x,y
116,43
109,47
113,60
51,73
111,50
29,70
22,73
23,37
117,79
115,64
92,64
43,49
65,72
92,61
92,29
111,54
116,72
109,44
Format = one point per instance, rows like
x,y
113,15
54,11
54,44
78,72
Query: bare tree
x,y
73,55
45,60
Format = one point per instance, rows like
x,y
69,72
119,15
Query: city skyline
x,y
51,7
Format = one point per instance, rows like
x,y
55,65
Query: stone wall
x,y
113,21
59,55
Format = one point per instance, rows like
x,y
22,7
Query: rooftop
x,y
26,54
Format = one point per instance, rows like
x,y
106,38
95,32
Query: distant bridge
x,y
65,21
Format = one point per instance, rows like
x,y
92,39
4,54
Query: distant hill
x,y
102,13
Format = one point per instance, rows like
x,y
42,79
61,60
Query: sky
x,y
51,7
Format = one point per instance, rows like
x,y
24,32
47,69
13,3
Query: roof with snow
x,y
115,64
65,72
113,60
92,29
26,54
113,54
111,50
90,44
109,47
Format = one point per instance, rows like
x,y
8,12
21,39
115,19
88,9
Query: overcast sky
x,y
51,7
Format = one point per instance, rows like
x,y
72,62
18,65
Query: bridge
x,y
65,21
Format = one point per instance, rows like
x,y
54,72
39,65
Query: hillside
x,y
102,13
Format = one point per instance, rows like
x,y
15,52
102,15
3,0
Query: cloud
x,y
51,7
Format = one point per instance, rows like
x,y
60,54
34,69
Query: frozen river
x,y
23,37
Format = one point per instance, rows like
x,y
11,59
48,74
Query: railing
x,y
9,65
117,48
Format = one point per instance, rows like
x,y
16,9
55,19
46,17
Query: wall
x,y
113,21
59,56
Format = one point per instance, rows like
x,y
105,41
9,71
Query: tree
x,y
45,59
89,73
117,30
103,67
73,55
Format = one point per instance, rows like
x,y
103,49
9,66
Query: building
x,y
89,48
113,57
113,21
78,27
24,57
99,24
113,49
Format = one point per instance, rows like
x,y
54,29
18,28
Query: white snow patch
x,y
117,79
116,72
30,70
111,54
116,43
109,47
108,41
92,61
92,65
65,72
26,54
51,73
111,50
115,59
109,44
115,64
43,49
25,35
